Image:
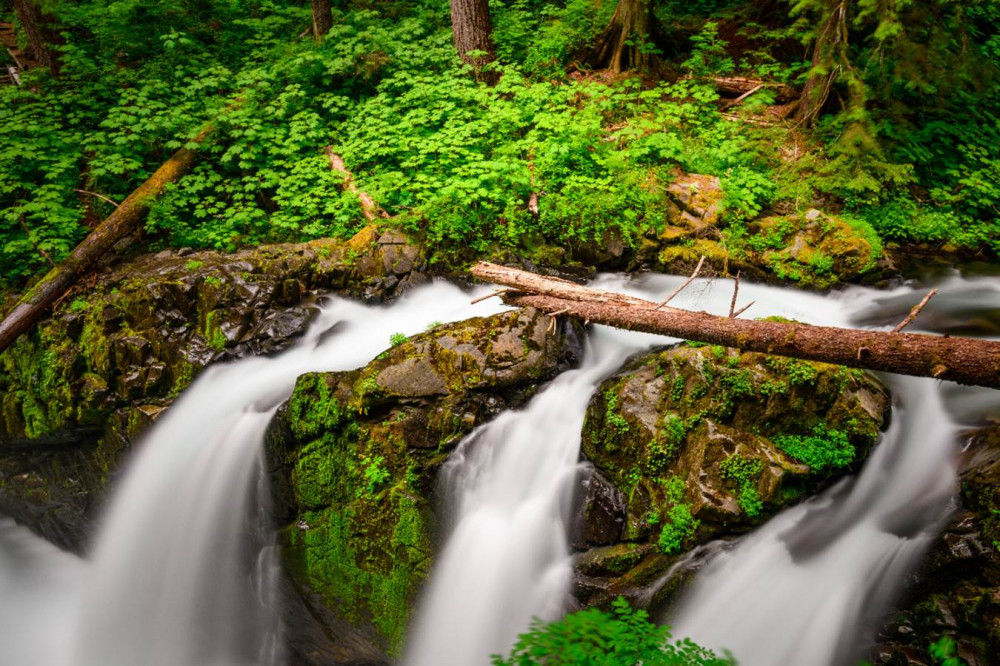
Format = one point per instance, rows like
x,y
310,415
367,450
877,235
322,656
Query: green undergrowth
x,y
457,161
593,637
823,449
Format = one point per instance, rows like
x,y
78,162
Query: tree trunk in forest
x,y
472,31
38,28
123,221
829,57
322,15
963,360
623,43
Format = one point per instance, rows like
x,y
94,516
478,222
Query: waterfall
x,y
508,486
178,575
179,572
805,587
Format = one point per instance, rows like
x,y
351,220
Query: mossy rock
x,y
355,456
705,442
813,249
141,334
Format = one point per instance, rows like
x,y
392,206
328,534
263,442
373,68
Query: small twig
x,y
736,292
489,296
554,319
13,57
914,311
743,309
678,290
99,196
747,94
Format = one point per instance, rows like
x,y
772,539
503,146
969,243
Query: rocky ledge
x,y
77,390
694,443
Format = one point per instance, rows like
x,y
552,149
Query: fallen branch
x,y
963,360
697,269
744,87
99,196
124,220
736,292
914,311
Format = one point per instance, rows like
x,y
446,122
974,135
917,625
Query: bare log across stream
x,y
125,219
963,360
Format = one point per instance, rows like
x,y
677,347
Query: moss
x,y
214,337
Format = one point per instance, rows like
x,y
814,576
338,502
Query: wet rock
x,y
704,443
146,329
603,512
353,457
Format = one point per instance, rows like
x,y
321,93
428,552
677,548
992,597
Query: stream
x,y
165,583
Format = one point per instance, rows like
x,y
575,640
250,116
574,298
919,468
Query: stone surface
x,y
354,457
70,389
694,440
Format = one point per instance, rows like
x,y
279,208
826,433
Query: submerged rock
x,y
705,443
77,390
955,597
354,457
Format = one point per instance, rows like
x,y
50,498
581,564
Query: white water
x,y
170,582
809,586
509,485
179,573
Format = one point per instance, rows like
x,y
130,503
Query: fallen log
x,y
741,87
125,219
962,360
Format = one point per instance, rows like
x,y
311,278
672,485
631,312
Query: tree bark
x,y
472,31
620,46
322,15
829,57
123,221
38,28
963,360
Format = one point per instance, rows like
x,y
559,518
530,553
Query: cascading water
x,y
510,484
808,586
805,587
173,578
177,576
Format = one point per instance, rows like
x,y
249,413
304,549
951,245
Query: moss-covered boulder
x,y
813,249
954,601
705,442
105,363
355,456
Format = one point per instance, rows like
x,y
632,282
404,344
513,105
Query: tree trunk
x,y
963,360
829,57
322,15
123,221
472,31
38,28
623,43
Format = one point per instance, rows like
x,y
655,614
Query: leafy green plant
x,y
592,637
397,339
374,473
823,449
744,471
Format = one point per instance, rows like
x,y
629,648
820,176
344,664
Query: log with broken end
x,y
962,360
125,219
